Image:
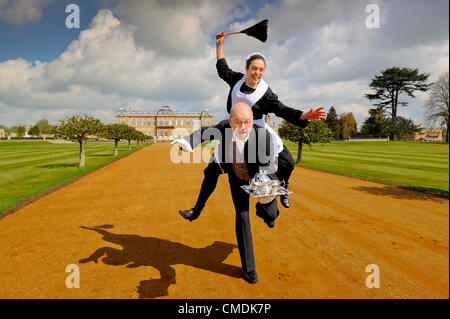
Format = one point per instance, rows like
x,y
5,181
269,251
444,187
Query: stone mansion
x,y
165,124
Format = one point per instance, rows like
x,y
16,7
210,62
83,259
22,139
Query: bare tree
x,y
437,105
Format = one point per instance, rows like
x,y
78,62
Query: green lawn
x,y
27,168
424,165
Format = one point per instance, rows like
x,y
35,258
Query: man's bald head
x,y
241,119
241,109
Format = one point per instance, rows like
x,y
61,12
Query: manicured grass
x,y
27,168
424,165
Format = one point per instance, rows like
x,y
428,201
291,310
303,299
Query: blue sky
x,y
47,38
144,54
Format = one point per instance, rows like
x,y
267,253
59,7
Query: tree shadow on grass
x,y
161,254
405,192
57,165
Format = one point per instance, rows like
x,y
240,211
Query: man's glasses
x,y
240,123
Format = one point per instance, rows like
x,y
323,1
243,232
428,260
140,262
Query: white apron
x,y
250,99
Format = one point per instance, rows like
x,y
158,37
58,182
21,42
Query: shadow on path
x,y
404,192
161,254
58,165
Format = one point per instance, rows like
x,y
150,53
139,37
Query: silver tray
x,y
275,192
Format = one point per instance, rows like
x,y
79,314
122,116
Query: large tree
x,y
43,127
20,131
437,106
391,83
79,128
333,122
315,132
402,128
376,124
348,125
34,131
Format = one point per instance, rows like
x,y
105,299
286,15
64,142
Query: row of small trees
x,y
80,127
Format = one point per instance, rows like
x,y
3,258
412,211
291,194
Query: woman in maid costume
x,y
251,89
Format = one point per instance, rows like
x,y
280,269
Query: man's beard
x,y
241,134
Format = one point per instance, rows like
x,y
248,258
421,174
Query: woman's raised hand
x,y
220,38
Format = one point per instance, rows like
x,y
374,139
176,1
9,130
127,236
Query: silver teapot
x,y
261,184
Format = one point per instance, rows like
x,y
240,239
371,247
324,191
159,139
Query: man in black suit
x,y
243,150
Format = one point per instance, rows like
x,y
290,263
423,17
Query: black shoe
x,y
191,214
251,277
284,199
271,223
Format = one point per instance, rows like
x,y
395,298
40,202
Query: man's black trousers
x,y
241,200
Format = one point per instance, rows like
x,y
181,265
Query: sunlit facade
x,y
165,124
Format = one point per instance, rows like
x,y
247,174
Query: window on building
x,y
170,122
160,122
165,132
166,122
154,133
188,122
182,122
131,122
143,122
154,122
122,122
207,122
148,122
160,132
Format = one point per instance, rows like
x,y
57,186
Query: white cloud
x,y
19,12
296,67
175,28
104,69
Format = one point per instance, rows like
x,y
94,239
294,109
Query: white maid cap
x,y
255,53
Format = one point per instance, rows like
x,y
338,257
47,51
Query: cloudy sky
x,y
142,54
